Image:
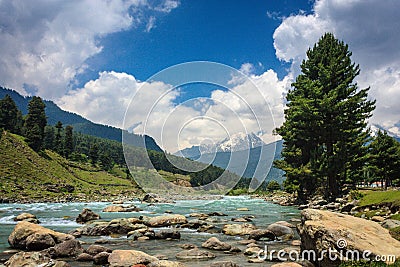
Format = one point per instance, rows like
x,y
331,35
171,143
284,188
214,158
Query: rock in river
x,y
279,229
41,236
117,226
69,248
87,215
262,233
195,254
215,244
33,259
120,208
26,217
164,220
238,229
323,230
127,258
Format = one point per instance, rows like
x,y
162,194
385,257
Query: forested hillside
x,y
62,146
54,114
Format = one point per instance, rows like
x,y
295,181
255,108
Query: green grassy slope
x,y
25,174
376,197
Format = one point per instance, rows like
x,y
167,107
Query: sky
x,y
117,62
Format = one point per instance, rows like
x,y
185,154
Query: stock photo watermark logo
x,y
167,108
342,253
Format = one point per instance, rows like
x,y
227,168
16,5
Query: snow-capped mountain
x,y
238,142
234,143
394,132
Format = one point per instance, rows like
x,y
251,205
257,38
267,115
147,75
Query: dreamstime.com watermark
x,y
331,254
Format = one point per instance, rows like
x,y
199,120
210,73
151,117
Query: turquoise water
x,y
61,217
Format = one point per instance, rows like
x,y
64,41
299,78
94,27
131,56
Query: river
x,y
61,217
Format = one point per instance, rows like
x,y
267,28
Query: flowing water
x,y
61,217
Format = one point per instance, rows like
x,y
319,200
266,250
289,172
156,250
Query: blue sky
x,y
94,58
229,32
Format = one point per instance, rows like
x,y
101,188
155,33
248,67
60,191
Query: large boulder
x,y
26,217
153,198
167,234
262,233
390,223
33,259
324,230
87,215
41,236
238,229
69,248
101,258
280,229
165,220
96,249
39,241
117,226
127,258
215,244
195,254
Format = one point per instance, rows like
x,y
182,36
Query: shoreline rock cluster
x,y
40,245
319,229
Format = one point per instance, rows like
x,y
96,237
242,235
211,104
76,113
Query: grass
x,y
373,197
395,217
395,233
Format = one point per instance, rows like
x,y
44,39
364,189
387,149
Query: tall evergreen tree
x,y
325,123
385,158
58,143
69,141
35,123
94,153
106,161
48,141
10,116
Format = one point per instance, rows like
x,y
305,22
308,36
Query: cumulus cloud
x,y
371,30
45,43
118,99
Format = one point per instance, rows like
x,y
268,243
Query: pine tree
x,y
94,153
385,158
69,141
106,161
325,123
58,144
35,123
10,116
48,141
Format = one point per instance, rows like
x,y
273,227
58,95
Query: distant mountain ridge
x,y
244,154
54,114
375,128
234,143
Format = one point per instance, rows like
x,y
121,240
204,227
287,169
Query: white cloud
x,y
371,30
150,24
167,6
103,100
244,108
46,43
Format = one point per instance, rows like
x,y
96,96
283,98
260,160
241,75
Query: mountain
x,y
375,128
245,155
54,114
234,143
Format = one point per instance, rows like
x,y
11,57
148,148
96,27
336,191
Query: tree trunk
x,y
333,189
